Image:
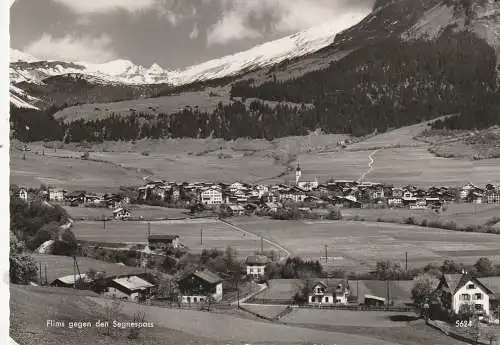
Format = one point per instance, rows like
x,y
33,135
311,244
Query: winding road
x,y
251,234
370,165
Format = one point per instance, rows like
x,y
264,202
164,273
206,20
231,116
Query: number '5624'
x,y
463,324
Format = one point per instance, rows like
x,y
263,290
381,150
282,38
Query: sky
x,y
172,33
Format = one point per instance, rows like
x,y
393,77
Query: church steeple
x,y
298,173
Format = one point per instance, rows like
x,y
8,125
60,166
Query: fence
x,y
356,308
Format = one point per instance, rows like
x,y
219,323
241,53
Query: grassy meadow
x,y
215,234
359,245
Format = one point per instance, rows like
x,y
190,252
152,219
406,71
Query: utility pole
x,y
149,229
46,281
104,221
201,236
406,261
326,253
74,273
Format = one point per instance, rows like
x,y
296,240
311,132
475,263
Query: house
x,y
235,210
56,194
22,194
121,213
493,196
454,290
69,280
271,207
236,187
131,288
347,202
395,201
256,265
308,185
163,241
374,301
293,194
329,292
199,285
211,196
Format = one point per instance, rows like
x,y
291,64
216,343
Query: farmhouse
x,y
235,210
163,241
56,194
69,280
200,285
256,265
121,213
211,196
329,292
22,194
454,290
131,288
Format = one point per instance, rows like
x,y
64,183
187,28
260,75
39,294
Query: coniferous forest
x,y
378,87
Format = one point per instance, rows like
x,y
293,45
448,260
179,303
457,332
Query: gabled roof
x,y
456,281
133,283
332,284
208,276
70,279
257,260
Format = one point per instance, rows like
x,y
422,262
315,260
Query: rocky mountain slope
x,y
28,69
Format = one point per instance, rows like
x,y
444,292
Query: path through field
x,y
370,165
272,243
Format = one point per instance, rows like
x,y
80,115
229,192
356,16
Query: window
x,y
479,307
195,299
478,296
326,299
471,286
465,297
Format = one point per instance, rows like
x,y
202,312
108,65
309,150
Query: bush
x,y
23,269
64,248
410,221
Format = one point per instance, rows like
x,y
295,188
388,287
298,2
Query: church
x,y
305,185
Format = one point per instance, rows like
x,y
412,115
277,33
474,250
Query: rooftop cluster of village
x,y
244,198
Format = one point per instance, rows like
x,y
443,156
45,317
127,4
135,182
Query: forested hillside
x,y
382,86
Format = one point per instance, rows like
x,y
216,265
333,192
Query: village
x,y
310,198
165,271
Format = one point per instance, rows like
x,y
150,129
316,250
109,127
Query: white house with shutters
x,y
331,291
211,196
454,290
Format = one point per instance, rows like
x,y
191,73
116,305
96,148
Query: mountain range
x,y
406,61
25,68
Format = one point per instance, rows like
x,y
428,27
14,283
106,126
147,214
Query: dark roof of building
x,y
162,237
456,281
332,284
257,260
208,276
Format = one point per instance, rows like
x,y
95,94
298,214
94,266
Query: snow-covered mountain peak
x,y
17,55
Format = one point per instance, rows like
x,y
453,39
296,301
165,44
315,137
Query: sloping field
x,y
144,211
59,266
461,214
279,289
205,100
71,174
31,307
343,318
361,244
400,160
236,330
214,234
